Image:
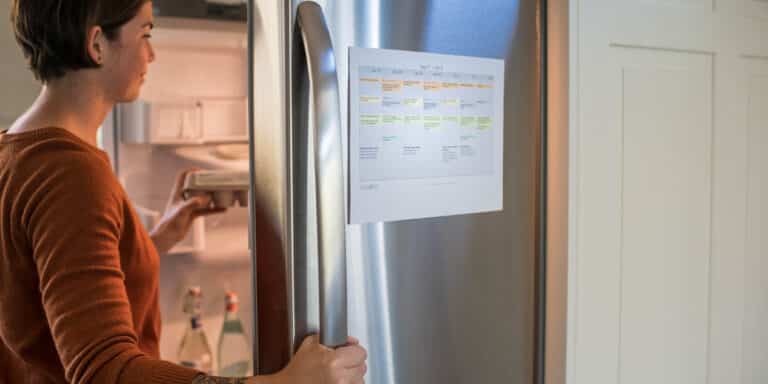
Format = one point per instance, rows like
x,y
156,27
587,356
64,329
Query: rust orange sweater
x,y
78,272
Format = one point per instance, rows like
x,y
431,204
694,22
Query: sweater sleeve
x,y
74,221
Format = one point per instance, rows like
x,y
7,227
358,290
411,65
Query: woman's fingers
x,y
355,374
309,341
207,212
197,203
351,356
360,370
178,188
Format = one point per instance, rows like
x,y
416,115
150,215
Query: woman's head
x,y
108,37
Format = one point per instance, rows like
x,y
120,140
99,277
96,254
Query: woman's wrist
x,y
161,243
205,379
265,379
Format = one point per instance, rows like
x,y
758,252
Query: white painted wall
x,y
18,87
668,129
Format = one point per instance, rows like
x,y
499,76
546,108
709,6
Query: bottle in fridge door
x,y
194,350
234,349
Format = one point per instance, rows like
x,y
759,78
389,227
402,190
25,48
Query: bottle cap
x,y
192,300
231,300
194,291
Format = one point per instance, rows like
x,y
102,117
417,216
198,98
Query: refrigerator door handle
x,y
313,42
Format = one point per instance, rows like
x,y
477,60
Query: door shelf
x,y
189,121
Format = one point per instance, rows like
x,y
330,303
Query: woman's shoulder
x,y
57,157
55,147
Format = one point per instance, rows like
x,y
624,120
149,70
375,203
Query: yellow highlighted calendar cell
x,y
451,102
370,99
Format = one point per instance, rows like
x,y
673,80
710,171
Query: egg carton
x,y
225,187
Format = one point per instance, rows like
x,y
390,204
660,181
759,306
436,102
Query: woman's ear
x,y
95,44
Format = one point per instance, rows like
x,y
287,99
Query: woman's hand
x,y
317,364
179,215
312,364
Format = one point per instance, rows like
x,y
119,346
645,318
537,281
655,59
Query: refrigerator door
x,y
440,300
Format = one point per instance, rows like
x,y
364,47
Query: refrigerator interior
x,y
191,113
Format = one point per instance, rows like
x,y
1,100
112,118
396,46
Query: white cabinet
x,y
666,266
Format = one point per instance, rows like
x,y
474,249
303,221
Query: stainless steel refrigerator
x,y
450,299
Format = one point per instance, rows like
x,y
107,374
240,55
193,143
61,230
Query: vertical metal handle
x,y
314,52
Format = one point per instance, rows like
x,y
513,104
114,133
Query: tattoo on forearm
x,y
204,379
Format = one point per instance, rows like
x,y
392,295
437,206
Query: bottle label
x,y
236,369
190,364
195,364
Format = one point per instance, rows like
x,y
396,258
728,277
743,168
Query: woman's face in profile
x,y
129,56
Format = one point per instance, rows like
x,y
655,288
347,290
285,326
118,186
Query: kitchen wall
x,y
18,87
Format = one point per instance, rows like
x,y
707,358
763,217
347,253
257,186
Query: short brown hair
x,y
52,33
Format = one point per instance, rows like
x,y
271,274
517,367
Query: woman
x,y
78,274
